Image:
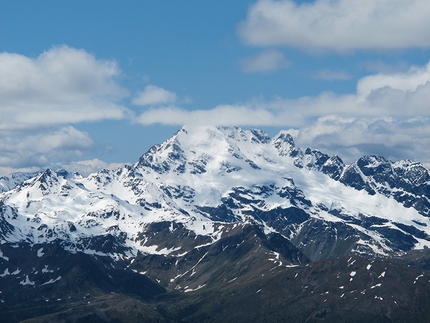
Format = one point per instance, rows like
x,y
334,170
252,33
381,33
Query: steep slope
x,y
204,176
344,289
42,279
8,183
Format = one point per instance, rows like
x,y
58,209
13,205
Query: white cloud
x,y
61,85
393,138
40,97
269,60
389,113
339,25
329,75
154,95
405,82
8,171
20,149
86,167
397,94
83,167
223,115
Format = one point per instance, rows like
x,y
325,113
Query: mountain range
x,y
217,225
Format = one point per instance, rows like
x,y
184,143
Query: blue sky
x,y
90,84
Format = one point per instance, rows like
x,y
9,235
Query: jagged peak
x,y
284,136
48,175
284,143
10,182
196,145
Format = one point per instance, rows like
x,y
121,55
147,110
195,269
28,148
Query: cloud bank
x,y
338,25
62,85
40,97
388,114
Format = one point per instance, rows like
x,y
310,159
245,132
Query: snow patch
x,y
418,277
3,256
16,272
40,252
5,273
46,270
193,290
27,281
51,281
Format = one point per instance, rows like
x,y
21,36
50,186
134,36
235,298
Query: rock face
x,y
203,177
205,207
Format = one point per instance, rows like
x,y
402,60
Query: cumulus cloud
x,y
61,85
338,25
20,149
355,123
154,95
86,167
41,96
269,60
408,82
393,138
398,95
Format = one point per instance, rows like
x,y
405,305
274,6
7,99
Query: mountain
x,y
8,183
215,212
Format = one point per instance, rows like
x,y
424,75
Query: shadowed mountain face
x,y
218,224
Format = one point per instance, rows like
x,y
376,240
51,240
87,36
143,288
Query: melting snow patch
x,y
377,285
27,281
16,272
46,270
379,297
382,275
368,266
5,273
141,273
3,256
51,281
40,252
153,250
352,273
193,290
416,279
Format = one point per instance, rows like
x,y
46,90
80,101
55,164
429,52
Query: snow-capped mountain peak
x,y
204,180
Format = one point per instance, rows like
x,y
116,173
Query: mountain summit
x,y
205,176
